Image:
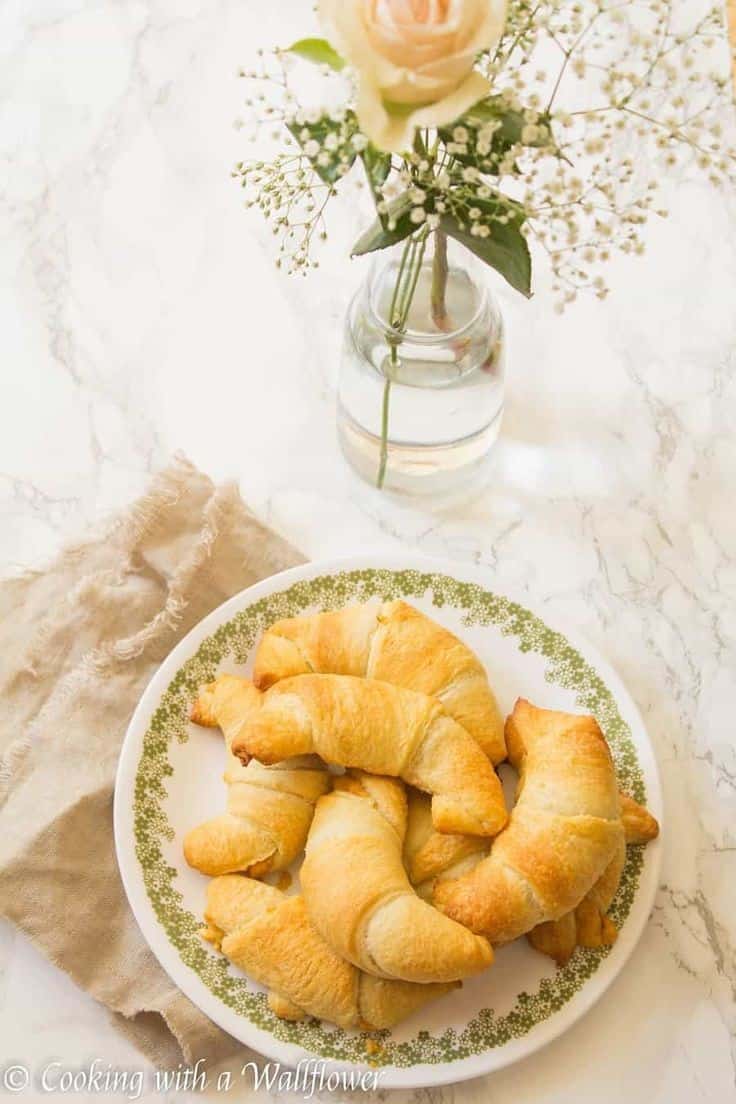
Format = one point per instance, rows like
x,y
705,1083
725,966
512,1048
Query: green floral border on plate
x,y
565,668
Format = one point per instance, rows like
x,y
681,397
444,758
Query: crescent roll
x,y
393,642
271,938
269,809
639,824
359,896
588,925
430,855
563,833
380,728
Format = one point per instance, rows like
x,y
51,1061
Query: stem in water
x,y
439,280
407,277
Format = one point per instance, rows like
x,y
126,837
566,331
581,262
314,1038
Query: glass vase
x,y
420,397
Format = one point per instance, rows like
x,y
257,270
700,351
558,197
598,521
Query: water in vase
x,y
440,390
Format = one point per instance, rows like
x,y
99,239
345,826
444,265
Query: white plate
x,y
169,779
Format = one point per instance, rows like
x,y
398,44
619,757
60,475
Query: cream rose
x,y
414,60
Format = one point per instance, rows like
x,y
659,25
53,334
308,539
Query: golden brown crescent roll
x,y
588,925
431,855
269,809
393,642
375,726
639,824
359,896
271,938
563,833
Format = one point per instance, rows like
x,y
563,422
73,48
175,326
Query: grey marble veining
x,y
141,313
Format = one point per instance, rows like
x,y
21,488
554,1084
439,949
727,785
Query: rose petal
x,y
415,53
433,82
395,132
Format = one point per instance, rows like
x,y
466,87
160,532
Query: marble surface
x,y
140,314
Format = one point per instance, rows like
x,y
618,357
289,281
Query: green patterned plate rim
x,y
233,638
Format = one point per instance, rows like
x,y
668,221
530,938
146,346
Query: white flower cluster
x,y
292,189
634,89
594,101
292,198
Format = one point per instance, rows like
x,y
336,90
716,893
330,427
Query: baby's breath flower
x,y
633,85
486,132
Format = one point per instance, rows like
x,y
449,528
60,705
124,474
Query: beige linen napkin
x,y
78,644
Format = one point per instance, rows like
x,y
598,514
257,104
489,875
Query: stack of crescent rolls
x,y
367,741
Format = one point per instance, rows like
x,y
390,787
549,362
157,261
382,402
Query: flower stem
x,y
439,280
407,277
384,434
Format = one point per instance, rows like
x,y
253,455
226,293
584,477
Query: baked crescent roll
x,y
269,809
271,938
563,833
639,824
359,896
393,642
588,925
431,855
380,728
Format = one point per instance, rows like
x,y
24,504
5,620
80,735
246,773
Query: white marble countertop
x,y
140,314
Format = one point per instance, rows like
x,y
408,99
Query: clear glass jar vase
x,y
420,397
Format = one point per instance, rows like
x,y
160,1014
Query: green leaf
x,y
318,51
509,124
377,165
506,249
342,157
379,236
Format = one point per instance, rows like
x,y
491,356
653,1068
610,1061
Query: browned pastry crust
x,y
639,824
269,809
271,938
393,642
371,725
429,855
563,833
359,896
589,925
